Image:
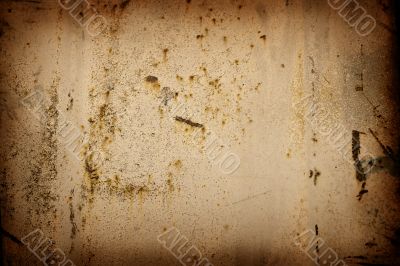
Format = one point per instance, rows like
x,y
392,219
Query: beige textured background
x,y
240,86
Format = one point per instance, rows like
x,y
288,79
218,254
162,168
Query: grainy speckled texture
x,y
239,67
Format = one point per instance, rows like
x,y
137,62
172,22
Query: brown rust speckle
x,y
178,164
165,52
153,81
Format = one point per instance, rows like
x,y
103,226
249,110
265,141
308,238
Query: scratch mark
x,y
356,149
362,191
187,121
251,197
10,236
386,150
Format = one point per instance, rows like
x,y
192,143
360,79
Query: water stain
x,y
124,4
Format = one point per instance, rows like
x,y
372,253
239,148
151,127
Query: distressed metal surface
x,y
240,73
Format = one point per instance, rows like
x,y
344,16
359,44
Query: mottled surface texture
x,y
243,73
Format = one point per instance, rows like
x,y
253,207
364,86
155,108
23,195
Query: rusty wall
x,y
199,132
